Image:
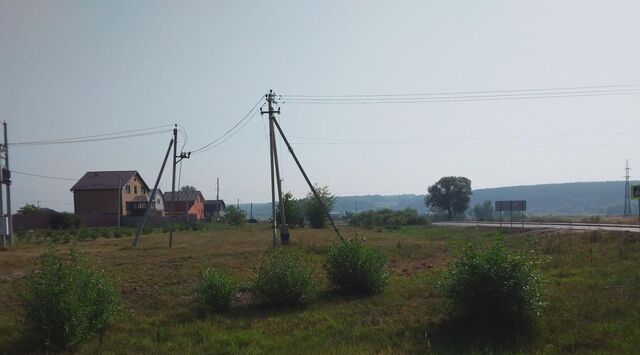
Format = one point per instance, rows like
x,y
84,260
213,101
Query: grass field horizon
x,y
593,294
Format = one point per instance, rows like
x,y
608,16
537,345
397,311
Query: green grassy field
x,y
593,287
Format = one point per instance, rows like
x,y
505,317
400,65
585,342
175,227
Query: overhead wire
x,y
42,176
326,140
231,135
463,96
232,131
92,140
185,136
96,137
474,92
449,99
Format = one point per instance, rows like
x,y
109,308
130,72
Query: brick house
x,y
110,193
186,203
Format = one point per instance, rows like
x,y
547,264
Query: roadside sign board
x,y
635,192
517,205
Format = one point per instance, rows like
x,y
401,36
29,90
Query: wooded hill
x,y
577,198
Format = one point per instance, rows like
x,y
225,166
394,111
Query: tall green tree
x,y
29,208
484,211
188,188
313,210
235,216
292,210
450,194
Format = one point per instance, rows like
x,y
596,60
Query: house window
x,y
144,190
127,189
135,190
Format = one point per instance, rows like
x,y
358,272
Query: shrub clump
x,y
354,267
65,302
214,291
387,218
285,278
492,289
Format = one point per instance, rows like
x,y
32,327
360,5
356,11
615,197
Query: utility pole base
x,y
284,234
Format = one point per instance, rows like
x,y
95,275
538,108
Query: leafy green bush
x,y
235,216
285,278
65,220
386,218
312,208
65,302
490,288
214,291
354,267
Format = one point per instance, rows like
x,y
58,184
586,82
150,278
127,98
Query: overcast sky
x,y
77,68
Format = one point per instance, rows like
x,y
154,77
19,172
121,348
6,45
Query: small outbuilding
x,y
214,209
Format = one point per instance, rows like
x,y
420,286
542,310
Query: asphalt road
x,y
568,226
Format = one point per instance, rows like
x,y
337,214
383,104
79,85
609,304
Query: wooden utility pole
x,y
119,199
276,181
6,180
269,98
173,185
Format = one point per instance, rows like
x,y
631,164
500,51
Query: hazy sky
x,y
77,68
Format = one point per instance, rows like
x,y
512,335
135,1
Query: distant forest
x,y
578,198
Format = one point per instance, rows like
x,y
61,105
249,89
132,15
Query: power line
x,y
42,176
232,134
505,145
122,134
327,140
233,130
471,96
183,132
453,99
621,87
92,140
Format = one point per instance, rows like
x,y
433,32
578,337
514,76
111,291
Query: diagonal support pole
x,y
313,190
153,195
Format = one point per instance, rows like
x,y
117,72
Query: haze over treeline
x,y
579,198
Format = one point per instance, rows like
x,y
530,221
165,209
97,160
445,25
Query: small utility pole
x,y
120,198
627,197
218,211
